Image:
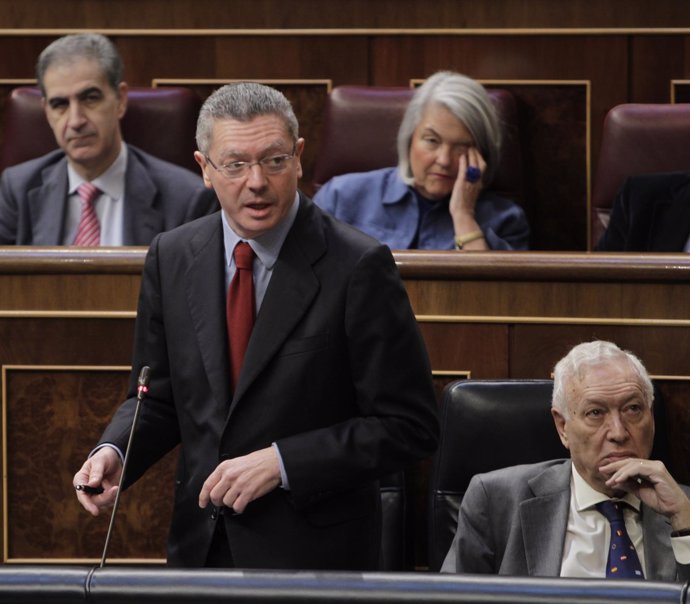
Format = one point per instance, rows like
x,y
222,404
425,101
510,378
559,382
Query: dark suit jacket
x,y
158,197
651,213
335,372
513,522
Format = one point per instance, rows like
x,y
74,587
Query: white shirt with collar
x,y
588,532
109,205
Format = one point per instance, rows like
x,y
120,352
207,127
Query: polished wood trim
x,y
413,264
327,82
543,266
68,260
67,314
88,561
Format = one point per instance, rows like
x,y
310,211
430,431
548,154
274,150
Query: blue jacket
x,y
383,206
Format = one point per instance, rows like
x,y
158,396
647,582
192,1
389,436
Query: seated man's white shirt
x,y
588,532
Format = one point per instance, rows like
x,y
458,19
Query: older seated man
x,y
609,511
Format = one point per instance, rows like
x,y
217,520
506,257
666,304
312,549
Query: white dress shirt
x,y
588,533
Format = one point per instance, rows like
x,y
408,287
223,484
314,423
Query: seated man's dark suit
x,y
651,213
513,522
158,197
335,373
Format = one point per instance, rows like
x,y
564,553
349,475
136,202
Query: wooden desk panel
x,y
66,325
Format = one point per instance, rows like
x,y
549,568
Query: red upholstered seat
x,y
161,121
361,126
637,139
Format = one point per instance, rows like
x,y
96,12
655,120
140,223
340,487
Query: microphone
x,y
142,389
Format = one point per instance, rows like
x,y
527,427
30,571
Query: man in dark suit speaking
x,y
609,511
94,190
279,464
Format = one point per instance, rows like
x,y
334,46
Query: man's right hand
x,y
102,469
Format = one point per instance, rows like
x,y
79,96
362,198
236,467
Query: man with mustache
x,y
550,518
94,190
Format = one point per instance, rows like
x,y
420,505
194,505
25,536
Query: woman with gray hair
x,y
436,198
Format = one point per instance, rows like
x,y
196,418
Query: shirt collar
x,y
586,497
266,246
396,190
111,182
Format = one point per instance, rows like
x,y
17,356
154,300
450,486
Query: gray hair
x,y
591,354
69,49
469,102
243,102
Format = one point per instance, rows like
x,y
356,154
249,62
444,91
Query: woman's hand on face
x,y
463,198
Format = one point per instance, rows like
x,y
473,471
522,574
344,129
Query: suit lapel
x,y
205,290
544,521
142,221
671,221
290,292
47,205
660,564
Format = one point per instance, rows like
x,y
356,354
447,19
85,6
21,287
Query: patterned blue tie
x,y
622,562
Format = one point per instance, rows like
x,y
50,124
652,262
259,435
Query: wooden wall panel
x,y
563,131
50,416
535,349
565,83
343,13
482,315
653,62
308,98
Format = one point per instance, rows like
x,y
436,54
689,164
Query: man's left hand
x,y
238,481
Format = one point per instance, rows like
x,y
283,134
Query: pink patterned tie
x,y
89,230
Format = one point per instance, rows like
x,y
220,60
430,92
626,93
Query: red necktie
x,y
89,230
240,307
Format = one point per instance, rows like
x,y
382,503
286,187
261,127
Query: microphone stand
x,y
142,389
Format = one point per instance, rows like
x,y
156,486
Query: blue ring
x,y
472,174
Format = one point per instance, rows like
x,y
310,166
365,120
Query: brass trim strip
x,y
131,314
354,31
553,320
68,314
84,561
451,373
674,84
327,82
17,81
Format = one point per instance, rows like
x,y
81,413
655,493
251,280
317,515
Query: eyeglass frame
x,y
247,165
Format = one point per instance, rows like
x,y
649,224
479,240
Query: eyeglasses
x,y
272,165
